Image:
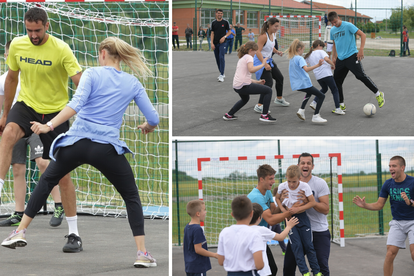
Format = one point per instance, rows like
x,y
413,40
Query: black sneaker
x,y
73,245
267,118
228,117
57,217
13,220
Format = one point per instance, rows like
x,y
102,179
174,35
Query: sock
x,y
1,185
73,225
377,94
19,213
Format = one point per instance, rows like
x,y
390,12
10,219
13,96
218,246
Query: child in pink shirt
x,y
245,86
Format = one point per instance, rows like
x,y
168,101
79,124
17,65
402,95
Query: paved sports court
x,y
362,256
199,101
108,249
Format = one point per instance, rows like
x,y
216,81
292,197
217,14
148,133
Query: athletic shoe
x,y
228,117
301,114
313,105
307,274
220,79
221,76
267,118
381,99
13,220
57,217
15,239
145,260
343,107
259,109
318,119
319,274
281,102
283,253
338,111
73,245
224,75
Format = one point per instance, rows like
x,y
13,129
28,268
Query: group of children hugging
x,y
242,246
257,58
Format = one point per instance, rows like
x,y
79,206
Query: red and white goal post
x,y
306,28
222,179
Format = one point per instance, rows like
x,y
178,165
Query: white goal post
x,y
221,179
83,25
306,28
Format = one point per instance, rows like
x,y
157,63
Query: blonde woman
x,y
100,101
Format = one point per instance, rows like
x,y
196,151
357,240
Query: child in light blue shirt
x,y
300,80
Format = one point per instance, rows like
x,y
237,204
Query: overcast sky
x,y
382,8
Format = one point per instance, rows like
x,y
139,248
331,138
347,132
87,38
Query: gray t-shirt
x,y
319,222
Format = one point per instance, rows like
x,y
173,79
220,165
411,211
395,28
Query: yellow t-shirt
x,y
44,72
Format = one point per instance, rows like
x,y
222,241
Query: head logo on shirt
x,y
33,61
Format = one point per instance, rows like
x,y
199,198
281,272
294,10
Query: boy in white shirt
x,y
268,235
300,237
240,249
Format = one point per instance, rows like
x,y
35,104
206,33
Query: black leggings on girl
x,y
313,91
103,157
251,89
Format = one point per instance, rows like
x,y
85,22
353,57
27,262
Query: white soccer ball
x,y
370,109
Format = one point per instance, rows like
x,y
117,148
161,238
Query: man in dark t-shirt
x,y
239,35
220,30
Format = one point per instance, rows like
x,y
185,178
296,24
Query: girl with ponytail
x,y
266,43
300,80
323,74
103,95
245,86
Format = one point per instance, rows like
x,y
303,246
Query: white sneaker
x,y
221,76
281,102
313,105
220,79
301,114
224,76
259,109
318,119
338,111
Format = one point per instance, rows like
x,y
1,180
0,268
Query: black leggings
x,y
253,88
342,67
313,91
103,157
275,74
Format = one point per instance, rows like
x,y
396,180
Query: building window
x,y
239,17
252,19
207,16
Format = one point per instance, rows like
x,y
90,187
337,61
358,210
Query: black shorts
x,y
22,115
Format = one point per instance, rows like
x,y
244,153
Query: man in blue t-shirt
x,y
347,58
400,189
262,195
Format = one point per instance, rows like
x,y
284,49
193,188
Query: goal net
x,y
220,180
306,28
83,26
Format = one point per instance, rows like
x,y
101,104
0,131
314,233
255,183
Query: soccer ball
x,y
369,109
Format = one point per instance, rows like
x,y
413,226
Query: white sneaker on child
x,y
318,119
301,114
313,105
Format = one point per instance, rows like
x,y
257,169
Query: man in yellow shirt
x,y
44,63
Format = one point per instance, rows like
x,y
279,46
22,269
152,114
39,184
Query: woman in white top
x,y
266,43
